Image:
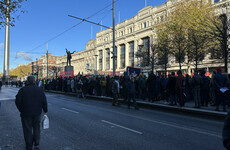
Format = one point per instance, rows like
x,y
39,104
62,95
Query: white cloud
x,y
23,55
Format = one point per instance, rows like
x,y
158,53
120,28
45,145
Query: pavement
x,y
207,112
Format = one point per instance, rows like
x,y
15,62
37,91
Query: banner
x,y
116,73
133,71
67,74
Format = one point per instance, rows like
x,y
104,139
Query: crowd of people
x,y
176,89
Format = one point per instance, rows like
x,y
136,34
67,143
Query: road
x,y
83,124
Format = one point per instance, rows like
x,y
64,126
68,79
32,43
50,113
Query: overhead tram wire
x,y
88,21
70,28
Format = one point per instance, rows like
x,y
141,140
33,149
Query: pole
x,y
47,60
32,68
7,44
114,69
37,68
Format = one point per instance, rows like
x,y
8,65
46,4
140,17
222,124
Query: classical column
x,y
135,50
127,55
111,59
118,57
103,59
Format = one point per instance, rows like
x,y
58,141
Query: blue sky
x,y
45,19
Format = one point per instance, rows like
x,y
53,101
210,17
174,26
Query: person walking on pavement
x,y
220,81
115,91
151,84
142,86
180,86
172,89
30,101
196,82
72,83
131,93
124,83
204,89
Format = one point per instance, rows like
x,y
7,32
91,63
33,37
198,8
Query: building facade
x,y
131,35
39,67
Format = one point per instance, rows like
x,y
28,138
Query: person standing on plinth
x,y
69,57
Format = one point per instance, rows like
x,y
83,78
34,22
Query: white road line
x,y
121,127
173,125
6,99
70,110
181,127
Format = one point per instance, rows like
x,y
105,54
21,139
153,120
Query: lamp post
x,y
114,69
7,44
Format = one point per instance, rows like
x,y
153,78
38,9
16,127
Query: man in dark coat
x,y
180,86
151,84
220,81
172,88
131,93
204,89
30,101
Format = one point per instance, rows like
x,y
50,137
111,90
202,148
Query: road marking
x,y
181,127
174,125
6,99
70,110
121,127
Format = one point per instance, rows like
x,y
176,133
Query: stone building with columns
x,y
132,35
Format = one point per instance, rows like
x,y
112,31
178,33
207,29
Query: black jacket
x,y
172,85
30,101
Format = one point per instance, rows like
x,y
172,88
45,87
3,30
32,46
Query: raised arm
x,y
73,52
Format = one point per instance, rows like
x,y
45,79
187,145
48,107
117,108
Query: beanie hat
x,y
219,69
